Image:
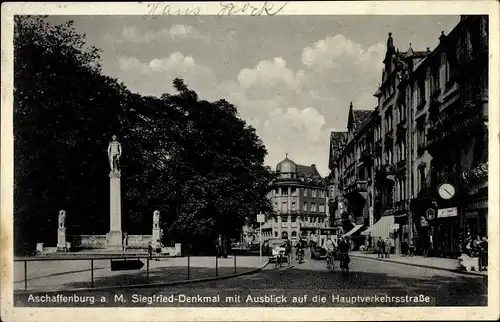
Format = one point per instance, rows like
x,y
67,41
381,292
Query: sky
x,y
291,77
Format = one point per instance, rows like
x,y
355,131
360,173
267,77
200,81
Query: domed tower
x,y
286,169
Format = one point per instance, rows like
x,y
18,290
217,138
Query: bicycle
x,y
300,256
279,259
329,260
344,263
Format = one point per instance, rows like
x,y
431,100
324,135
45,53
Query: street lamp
x,y
260,220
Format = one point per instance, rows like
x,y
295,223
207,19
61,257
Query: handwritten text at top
x,y
254,9
226,8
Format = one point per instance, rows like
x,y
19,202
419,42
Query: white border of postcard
x,y
9,313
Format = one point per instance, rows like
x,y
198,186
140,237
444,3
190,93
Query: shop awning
x,y
352,231
381,228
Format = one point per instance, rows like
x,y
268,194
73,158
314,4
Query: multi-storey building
x,y
298,195
351,177
448,97
391,159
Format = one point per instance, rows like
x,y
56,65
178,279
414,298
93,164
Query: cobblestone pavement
x,y
369,283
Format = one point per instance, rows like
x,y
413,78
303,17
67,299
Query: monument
x,y
61,232
115,237
157,232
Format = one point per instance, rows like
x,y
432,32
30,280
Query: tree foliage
x,y
196,161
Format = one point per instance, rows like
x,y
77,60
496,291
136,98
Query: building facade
x,y
299,196
448,98
352,173
429,146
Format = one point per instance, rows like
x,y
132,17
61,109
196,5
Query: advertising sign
x,y
261,218
431,214
447,212
370,216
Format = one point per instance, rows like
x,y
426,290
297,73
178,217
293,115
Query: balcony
x,y
357,186
441,131
395,208
384,172
476,178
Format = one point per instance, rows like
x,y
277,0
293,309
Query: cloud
x,y
293,109
155,77
177,32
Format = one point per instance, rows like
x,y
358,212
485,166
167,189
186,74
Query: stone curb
x,y
420,265
121,287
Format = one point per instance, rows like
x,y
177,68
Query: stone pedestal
x,y
178,250
156,235
115,238
61,239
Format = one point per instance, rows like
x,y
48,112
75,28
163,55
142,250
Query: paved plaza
x,y
74,274
367,278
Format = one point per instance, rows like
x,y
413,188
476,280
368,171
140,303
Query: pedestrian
x,y
475,246
483,254
404,247
380,247
388,245
150,250
225,245
158,249
411,248
218,246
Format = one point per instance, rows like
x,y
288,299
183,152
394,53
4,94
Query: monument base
x,y
61,240
115,241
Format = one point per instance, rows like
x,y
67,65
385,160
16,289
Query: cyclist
x,y
300,250
288,249
344,252
330,246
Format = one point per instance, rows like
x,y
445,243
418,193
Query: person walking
x,y
404,247
388,246
158,250
380,248
150,250
483,254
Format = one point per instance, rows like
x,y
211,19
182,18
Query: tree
x,y
209,173
64,113
195,161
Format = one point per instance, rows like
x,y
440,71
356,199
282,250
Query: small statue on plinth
x,y
114,154
156,219
62,219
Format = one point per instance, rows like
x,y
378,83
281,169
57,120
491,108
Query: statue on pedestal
x,y
114,154
62,219
156,219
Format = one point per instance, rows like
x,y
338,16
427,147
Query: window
x,y
294,206
305,206
293,191
313,191
277,191
294,219
421,91
284,191
294,234
284,219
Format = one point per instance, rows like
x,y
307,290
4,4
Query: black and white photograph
x,y
244,155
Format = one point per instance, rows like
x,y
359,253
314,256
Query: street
x,y
385,284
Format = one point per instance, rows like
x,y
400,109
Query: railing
x,y
70,271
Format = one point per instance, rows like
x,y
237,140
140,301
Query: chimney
x,y
442,37
428,49
313,166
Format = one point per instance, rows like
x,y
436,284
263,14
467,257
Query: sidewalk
x,y
74,274
446,264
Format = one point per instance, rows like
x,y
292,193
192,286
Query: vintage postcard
x,y
273,161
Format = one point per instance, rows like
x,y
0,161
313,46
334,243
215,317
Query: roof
x,y
361,118
309,174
